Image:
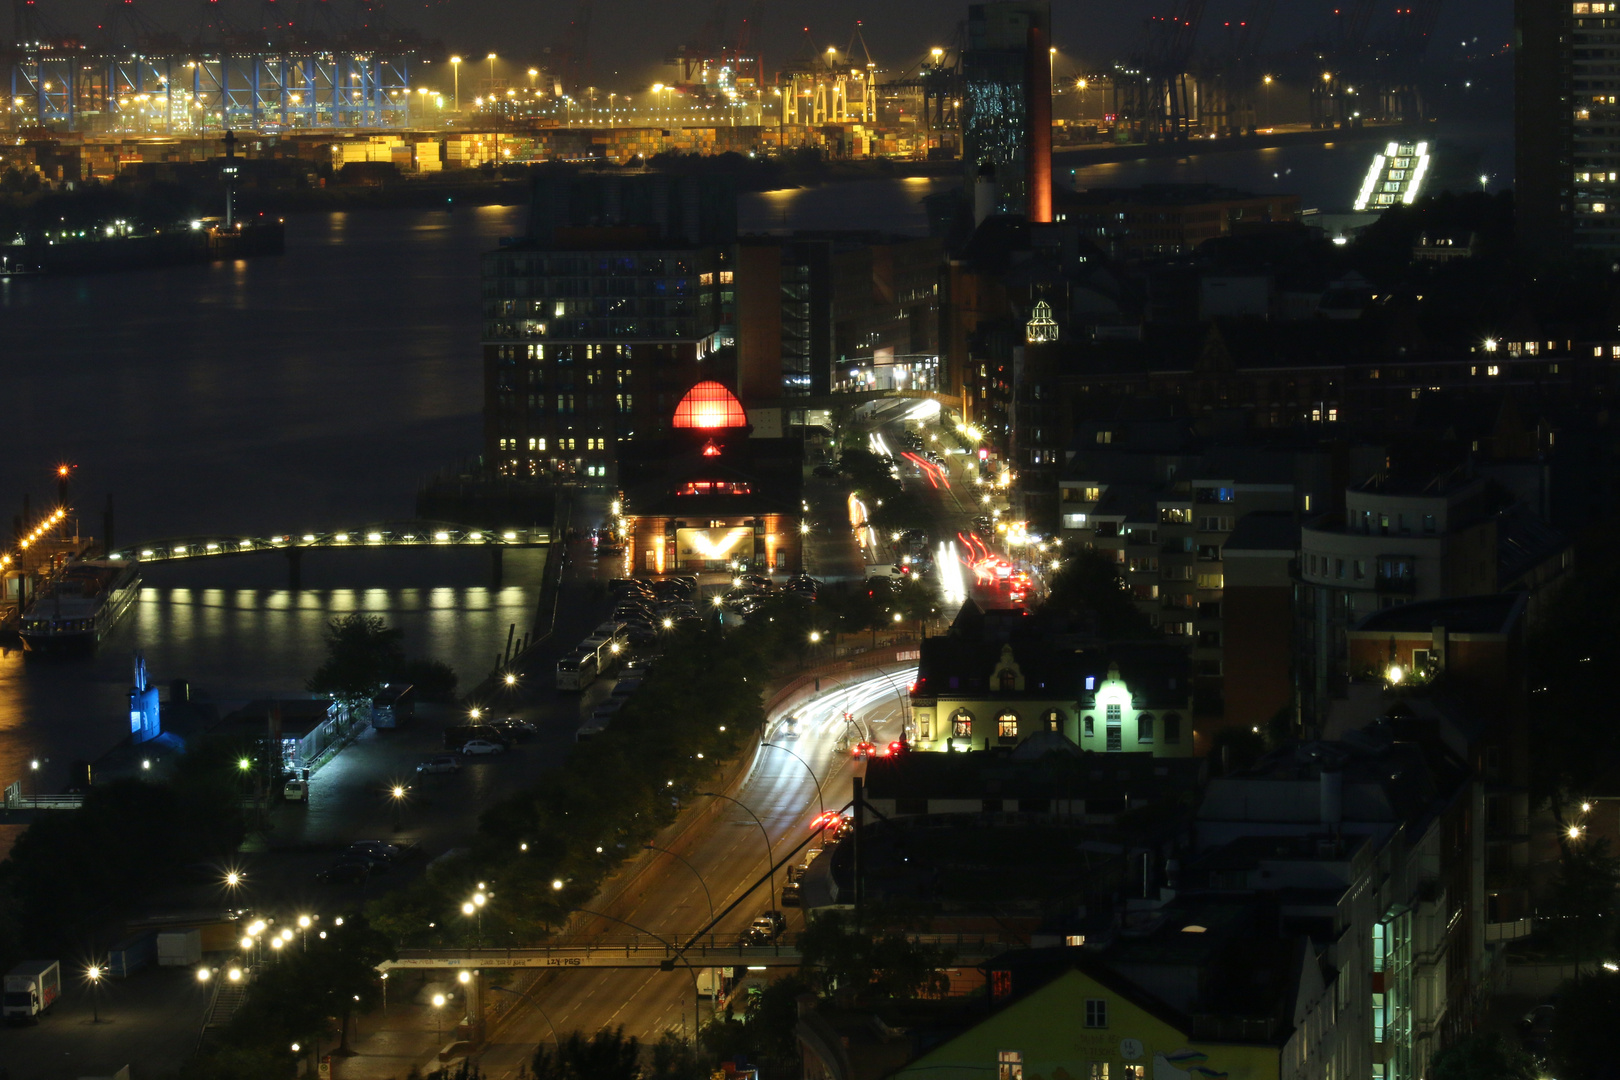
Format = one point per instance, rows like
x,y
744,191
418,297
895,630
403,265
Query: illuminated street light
x,y
455,67
510,678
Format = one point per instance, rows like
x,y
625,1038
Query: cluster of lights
x,y
38,532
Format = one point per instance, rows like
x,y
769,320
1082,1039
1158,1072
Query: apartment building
x,y
1161,499
1402,539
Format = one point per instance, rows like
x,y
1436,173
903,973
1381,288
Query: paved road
x,y
723,862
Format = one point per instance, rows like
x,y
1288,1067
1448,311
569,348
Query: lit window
x,y
1009,1065
1007,725
962,724
1099,1070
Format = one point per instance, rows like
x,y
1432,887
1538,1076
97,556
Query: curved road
x,y
729,853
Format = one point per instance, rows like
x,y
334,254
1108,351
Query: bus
x,y
578,671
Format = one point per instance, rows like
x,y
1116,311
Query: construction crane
x,y
1401,55
1346,63
569,60
1150,91
1231,77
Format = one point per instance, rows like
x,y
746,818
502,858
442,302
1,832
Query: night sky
x,y
631,36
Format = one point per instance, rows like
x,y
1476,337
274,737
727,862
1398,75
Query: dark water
x,y
270,395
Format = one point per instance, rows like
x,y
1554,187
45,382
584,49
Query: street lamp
x,y
689,866
93,973
455,68
679,954
491,59
438,1017
397,792
770,852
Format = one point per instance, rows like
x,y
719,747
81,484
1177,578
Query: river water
x,y
315,391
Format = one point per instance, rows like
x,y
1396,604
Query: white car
x,y
295,791
481,746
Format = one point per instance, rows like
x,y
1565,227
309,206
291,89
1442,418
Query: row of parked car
x,y
645,607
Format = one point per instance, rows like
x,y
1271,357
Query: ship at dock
x,y
80,606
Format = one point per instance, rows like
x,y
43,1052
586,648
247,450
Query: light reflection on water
x,y
236,633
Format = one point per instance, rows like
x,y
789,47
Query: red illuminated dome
x,y
709,405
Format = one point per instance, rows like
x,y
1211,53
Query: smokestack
x,y
984,194
1038,133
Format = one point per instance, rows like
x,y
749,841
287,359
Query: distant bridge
x,y
394,534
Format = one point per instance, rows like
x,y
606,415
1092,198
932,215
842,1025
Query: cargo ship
x,y
80,605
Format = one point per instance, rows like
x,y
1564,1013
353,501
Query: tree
x,y
674,1058
1089,584
857,967
362,652
607,1055
1579,1047
1583,895
1491,1056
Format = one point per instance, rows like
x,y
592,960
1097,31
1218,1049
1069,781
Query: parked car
x,y
346,872
768,927
481,746
295,790
826,472
518,730
442,763
378,850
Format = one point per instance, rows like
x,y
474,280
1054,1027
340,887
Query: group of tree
x,y
610,1054
1087,586
364,653
72,871
578,822
308,996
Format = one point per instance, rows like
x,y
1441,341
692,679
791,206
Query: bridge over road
x,y
647,952
376,536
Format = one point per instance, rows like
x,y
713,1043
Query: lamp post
x,y
438,1017
689,866
397,793
491,59
770,852
93,974
475,907
679,954
1266,82
455,68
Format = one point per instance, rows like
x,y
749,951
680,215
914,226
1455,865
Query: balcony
x,y
1507,931
1405,584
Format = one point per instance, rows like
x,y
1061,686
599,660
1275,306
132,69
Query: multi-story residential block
x,y
1402,539
1568,166
618,300
1472,650
1368,845
1162,500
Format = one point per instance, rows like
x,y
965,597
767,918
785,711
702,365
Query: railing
x,y
1508,931
16,800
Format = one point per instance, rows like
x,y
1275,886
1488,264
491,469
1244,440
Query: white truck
x,y
32,987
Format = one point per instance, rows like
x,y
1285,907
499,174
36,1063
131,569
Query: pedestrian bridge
x,y
644,952
382,535
293,545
